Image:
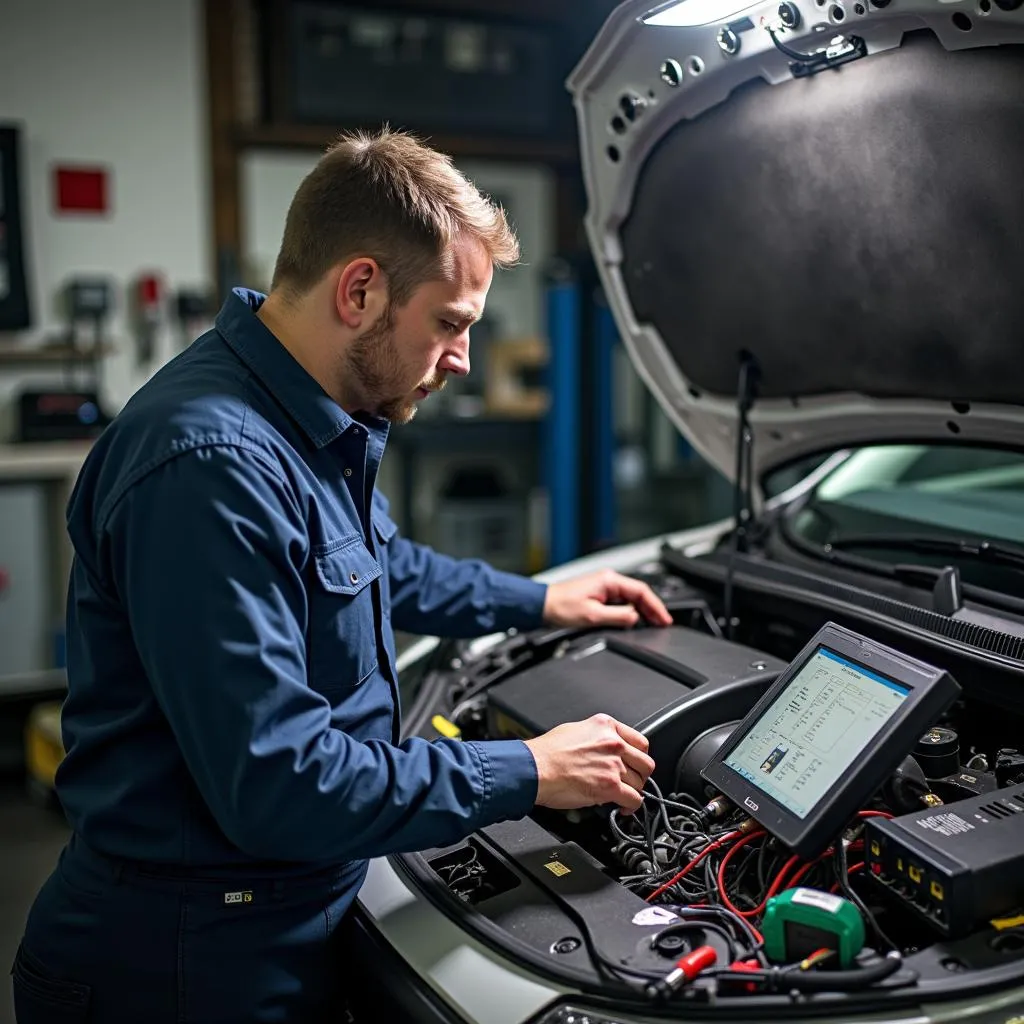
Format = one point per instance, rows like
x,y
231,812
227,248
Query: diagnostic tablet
x,y
823,739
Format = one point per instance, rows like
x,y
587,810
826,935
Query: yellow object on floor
x,y
44,749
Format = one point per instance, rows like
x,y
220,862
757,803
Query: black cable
x,y
746,390
789,980
762,875
753,945
854,898
743,868
805,58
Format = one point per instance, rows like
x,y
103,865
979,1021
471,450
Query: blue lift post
x,y
561,455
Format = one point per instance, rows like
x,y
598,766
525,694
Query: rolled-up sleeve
x,y
208,553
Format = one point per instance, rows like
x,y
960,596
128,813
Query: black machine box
x,y
957,866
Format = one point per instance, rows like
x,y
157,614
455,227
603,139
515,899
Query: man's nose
x,y
456,359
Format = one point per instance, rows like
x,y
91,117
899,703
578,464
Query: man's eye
x,y
450,327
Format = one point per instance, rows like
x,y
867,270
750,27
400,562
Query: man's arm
x,y
208,555
434,595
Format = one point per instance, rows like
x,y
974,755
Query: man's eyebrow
x,y
462,314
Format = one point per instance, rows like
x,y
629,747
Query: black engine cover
x,y
671,684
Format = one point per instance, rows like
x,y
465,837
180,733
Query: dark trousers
x,y
111,943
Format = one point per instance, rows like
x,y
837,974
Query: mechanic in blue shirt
x,y
232,721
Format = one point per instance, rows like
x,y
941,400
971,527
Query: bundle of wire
x,y
677,856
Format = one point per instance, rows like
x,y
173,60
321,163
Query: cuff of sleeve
x,y
510,779
519,604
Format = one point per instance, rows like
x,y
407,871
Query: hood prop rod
x,y
743,484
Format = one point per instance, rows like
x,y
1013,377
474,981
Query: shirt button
x,y
348,472
354,577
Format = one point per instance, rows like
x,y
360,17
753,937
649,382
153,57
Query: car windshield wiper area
x,y
976,549
943,580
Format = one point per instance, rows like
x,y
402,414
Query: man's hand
x,y
603,599
585,764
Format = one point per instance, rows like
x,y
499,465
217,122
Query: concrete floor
x,y
32,838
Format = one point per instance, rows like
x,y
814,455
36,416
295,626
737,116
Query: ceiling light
x,y
695,12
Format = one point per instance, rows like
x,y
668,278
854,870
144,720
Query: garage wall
x,y
118,83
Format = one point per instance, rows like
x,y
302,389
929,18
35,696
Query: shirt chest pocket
x,y
342,630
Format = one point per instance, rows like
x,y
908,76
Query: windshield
x,y
916,491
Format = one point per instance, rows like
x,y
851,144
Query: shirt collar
x,y
305,400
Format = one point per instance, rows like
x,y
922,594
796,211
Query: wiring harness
x,y
715,870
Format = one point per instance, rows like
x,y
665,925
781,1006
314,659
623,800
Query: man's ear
x,y
361,295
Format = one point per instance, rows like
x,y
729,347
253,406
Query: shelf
x,y
51,355
318,137
42,460
45,681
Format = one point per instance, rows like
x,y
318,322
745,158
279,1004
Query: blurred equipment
x,y
515,378
59,415
147,311
478,517
456,74
194,311
73,412
88,302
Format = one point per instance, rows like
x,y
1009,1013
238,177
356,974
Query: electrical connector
x,y
716,808
686,969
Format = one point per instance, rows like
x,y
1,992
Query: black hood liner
x,y
861,230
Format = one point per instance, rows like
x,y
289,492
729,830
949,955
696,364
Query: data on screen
x,y
815,730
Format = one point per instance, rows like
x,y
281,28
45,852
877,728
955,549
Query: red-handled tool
x,y
686,969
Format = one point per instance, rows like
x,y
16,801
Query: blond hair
x,y
388,196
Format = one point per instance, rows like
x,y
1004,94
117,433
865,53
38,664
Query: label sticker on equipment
x,y
557,868
238,897
948,824
654,915
813,898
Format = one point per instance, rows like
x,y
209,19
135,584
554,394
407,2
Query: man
x,y
232,726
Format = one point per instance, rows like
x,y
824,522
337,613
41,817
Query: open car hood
x,y
853,233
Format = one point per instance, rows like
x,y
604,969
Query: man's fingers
x,y
644,599
632,737
628,798
616,615
639,762
633,779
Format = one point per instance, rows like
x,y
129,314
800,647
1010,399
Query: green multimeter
x,y
800,921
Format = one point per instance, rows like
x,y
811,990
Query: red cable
x,y
717,844
733,850
776,886
873,814
857,845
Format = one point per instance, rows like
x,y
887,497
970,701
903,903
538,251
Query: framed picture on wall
x,y
14,309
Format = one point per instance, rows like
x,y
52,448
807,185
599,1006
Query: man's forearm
x,y
434,595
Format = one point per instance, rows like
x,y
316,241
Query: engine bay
x,y
692,899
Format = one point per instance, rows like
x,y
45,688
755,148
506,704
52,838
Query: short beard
x,y
374,362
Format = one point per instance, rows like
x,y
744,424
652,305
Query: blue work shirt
x,y
232,687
